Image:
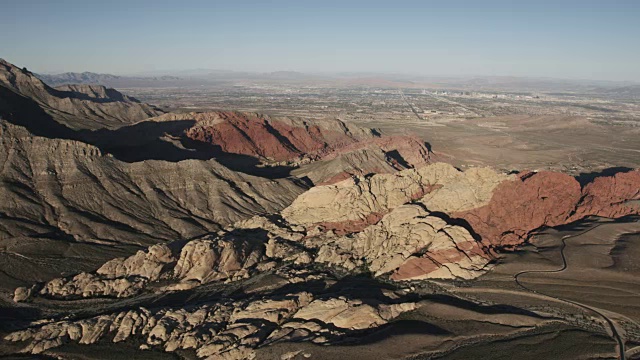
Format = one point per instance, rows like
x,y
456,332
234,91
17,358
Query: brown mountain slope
x,y
323,151
77,107
286,272
71,191
61,193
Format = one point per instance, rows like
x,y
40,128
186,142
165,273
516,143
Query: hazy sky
x,y
568,39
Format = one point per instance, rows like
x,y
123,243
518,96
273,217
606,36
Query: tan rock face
x,y
147,264
389,230
343,313
354,199
459,191
90,285
439,186
209,260
227,329
405,234
200,261
21,294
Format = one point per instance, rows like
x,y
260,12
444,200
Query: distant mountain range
x,y
197,77
103,79
77,78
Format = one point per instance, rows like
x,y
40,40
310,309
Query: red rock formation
x,y
549,199
413,267
256,135
348,227
607,196
520,206
289,139
434,261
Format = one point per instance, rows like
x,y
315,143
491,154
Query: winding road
x,y
614,331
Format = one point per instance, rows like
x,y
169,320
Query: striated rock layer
x,y
69,198
542,199
228,328
431,222
24,97
326,151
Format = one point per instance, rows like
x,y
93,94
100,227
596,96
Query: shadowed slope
x,y
77,107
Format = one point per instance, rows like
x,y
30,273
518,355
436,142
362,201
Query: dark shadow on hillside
x,y
393,329
482,309
22,111
12,318
394,155
428,146
147,140
453,221
152,140
588,222
585,178
112,95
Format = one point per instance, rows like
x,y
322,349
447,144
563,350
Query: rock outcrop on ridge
x,y
323,151
75,107
542,199
109,80
233,329
69,189
97,92
70,78
67,197
381,224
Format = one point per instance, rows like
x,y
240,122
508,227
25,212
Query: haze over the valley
x,y
569,39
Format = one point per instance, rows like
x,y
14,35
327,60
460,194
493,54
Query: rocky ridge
x,y
549,199
333,225
64,194
324,151
71,190
231,329
76,107
405,230
407,242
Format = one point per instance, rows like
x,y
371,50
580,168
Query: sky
x,y
597,40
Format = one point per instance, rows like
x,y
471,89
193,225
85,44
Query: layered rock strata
x,y
228,329
75,106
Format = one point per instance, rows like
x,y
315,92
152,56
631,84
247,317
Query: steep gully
x,y
615,334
